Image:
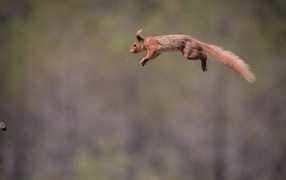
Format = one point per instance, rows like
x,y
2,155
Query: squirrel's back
x,y
173,42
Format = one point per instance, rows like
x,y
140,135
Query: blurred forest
x,y
77,104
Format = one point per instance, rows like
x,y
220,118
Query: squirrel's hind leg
x,y
194,51
196,54
204,64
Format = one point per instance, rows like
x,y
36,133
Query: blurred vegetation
x,y
77,105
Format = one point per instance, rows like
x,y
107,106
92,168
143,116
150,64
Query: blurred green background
x,y
77,104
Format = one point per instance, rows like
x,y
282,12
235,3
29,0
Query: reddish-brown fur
x,y
191,49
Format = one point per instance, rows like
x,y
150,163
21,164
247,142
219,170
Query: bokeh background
x,y
78,106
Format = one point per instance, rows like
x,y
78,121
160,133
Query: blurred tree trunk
x,y
279,169
19,141
219,136
219,147
69,145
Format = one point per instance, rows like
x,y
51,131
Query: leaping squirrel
x,y
191,49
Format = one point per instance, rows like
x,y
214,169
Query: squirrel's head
x,y
138,45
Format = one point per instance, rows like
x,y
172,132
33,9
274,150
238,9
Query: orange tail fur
x,y
229,59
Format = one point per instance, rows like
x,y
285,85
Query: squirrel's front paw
x,y
143,63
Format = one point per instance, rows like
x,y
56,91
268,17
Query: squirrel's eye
x,y
134,45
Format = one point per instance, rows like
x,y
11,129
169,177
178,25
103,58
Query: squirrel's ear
x,y
138,35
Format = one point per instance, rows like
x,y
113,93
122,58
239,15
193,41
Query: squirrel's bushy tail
x,y
229,59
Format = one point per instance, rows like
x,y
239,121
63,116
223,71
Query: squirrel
x,y
192,49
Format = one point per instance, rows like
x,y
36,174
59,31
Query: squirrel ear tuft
x,y
139,32
139,36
